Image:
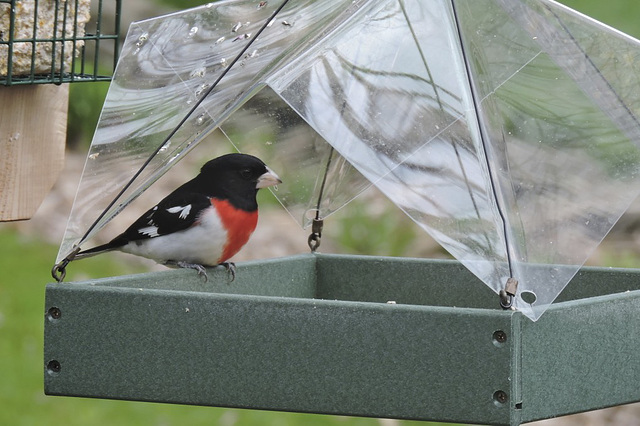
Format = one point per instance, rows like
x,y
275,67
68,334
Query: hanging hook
x,y
316,228
316,234
508,293
59,270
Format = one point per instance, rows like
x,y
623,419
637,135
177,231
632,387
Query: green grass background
x,y
25,263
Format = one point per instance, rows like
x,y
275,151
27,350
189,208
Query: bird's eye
x,y
245,173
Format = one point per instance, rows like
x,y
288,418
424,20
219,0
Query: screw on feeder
x,y
500,397
499,337
54,313
53,366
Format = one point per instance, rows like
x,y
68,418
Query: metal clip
x,y
508,293
316,234
59,270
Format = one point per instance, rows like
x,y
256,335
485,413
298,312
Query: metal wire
x,y
316,230
506,298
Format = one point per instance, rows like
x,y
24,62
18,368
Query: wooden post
x,y
33,126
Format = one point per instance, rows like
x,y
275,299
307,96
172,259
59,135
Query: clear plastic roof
x,y
507,129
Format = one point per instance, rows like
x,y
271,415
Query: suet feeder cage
x,y
57,41
506,129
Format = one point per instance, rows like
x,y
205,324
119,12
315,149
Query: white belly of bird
x,y
203,244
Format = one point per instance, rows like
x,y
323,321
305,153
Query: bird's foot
x,y
231,269
201,269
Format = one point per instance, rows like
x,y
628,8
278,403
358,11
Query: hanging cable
x,y
318,222
59,270
508,293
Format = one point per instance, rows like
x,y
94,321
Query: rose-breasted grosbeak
x,y
202,223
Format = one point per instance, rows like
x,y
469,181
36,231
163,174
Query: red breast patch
x,y
239,224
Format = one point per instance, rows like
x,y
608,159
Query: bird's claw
x,y
201,269
229,266
231,269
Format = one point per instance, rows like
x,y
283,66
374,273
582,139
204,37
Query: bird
x,y
202,223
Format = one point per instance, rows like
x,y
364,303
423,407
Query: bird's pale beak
x,y
268,179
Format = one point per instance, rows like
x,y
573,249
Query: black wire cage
x,y
58,41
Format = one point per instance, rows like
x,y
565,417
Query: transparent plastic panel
x,y
317,179
167,65
507,129
389,91
560,112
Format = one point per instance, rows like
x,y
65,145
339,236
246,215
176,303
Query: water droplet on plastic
x,y
271,23
223,62
200,119
236,27
193,31
199,72
242,37
275,188
94,156
220,40
141,40
209,5
201,89
165,146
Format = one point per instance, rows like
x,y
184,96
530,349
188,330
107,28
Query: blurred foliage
x,y
620,14
383,230
85,105
615,257
183,4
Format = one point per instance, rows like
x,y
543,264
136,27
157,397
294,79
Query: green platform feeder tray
x,y
348,335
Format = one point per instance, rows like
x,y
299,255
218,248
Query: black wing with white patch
x,y
174,213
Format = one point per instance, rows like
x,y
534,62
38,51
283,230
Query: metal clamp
x,y
59,270
508,293
316,234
